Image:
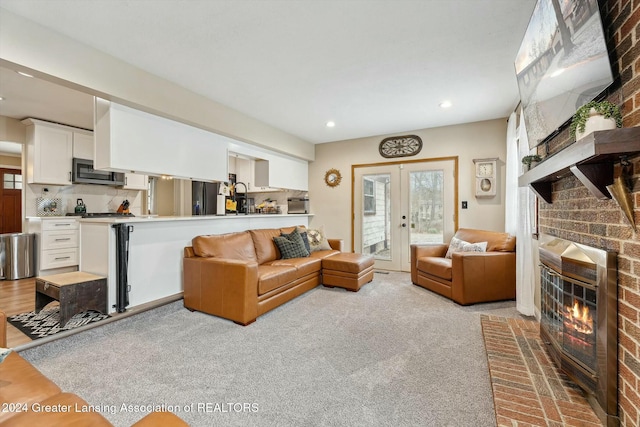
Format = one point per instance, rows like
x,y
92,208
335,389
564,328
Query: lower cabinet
x,y
57,243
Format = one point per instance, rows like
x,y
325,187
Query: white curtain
x,y
519,217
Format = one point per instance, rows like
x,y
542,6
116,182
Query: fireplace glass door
x,y
579,335
568,314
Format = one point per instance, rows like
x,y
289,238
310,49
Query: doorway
x,y
10,201
397,204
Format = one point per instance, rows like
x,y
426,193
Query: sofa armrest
x,y
336,244
223,287
3,329
423,250
480,277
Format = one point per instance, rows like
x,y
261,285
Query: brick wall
x,y
578,216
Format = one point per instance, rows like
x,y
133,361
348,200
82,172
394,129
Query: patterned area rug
x,y
528,389
47,321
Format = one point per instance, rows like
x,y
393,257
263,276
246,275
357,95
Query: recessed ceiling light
x,y
445,104
22,73
331,124
1,98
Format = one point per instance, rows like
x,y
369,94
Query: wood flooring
x,y
17,296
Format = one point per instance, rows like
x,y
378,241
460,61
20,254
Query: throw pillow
x,y
305,238
318,240
296,237
458,245
454,246
475,247
291,245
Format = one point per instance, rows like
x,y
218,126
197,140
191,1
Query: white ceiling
x,y
373,66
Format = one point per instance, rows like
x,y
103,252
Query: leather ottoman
x,y
347,270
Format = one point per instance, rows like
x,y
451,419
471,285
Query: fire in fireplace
x,y
579,318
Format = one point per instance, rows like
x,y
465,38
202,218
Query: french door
x,y
400,203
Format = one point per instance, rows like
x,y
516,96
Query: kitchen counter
x,y
155,218
156,246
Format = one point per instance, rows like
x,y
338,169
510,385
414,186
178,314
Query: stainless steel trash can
x,y
17,251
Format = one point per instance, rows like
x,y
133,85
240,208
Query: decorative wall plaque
x,y
400,146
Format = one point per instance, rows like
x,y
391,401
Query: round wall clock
x,y
400,146
332,177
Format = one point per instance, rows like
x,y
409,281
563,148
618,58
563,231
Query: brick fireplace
x,y
579,318
576,215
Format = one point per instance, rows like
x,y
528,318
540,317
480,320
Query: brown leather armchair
x,y
468,277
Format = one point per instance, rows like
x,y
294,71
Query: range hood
x,y
590,159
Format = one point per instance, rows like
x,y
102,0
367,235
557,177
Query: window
x,y
12,181
369,193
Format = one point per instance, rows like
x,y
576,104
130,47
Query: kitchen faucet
x,y
246,190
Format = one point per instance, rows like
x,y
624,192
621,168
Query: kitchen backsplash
x,y
97,198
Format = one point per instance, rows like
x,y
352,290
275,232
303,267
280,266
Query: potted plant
x,y
595,116
531,161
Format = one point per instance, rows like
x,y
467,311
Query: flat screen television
x,y
562,64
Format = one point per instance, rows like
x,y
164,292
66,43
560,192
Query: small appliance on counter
x,y
81,208
298,205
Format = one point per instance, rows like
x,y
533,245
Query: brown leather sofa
x,y
240,276
468,277
28,398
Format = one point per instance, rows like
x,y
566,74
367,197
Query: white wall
x,y
331,206
12,130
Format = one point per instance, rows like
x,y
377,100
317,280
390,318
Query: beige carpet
x,y
392,354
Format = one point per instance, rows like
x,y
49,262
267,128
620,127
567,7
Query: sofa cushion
x,y
323,254
271,277
303,265
496,241
436,266
231,246
266,249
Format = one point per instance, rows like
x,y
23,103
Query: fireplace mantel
x,y
590,159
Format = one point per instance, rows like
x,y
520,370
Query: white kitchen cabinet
x,y
131,140
135,181
58,244
49,153
280,172
83,145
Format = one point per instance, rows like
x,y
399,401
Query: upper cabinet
x,y
135,181
269,173
83,144
245,170
130,140
281,172
49,151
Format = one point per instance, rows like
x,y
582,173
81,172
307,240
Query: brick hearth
x,y
528,389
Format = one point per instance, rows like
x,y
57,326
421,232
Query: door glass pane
x,y
426,200
376,216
